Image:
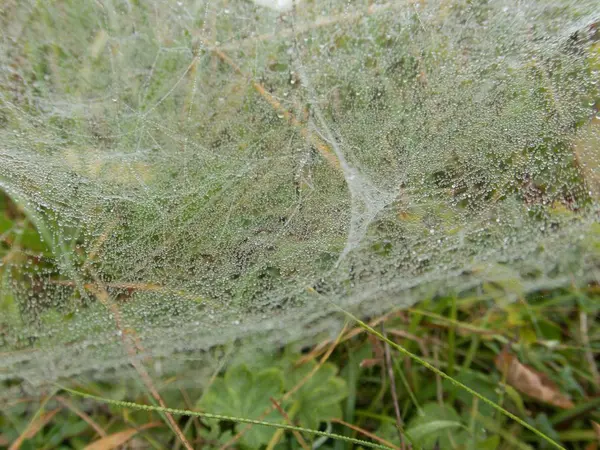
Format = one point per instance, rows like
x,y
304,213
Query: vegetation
x,y
536,356
172,186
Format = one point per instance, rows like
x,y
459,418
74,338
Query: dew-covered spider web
x,y
201,173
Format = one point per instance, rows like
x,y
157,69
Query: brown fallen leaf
x,y
530,382
34,427
116,439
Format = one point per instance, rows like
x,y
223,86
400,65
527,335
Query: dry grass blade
x,y
120,438
296,433
596,427
366,433
471,329
98,244
310,137
315,352
34,427
128,286
132,350
130,341
292,391
324,359
321,347
406,335
530,382
390,372
66,403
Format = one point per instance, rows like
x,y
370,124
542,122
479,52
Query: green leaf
x,y
213,436
438,424
516,398
388,430
569,381
243,393
5,224
421,431
490,443
32,241
477,381
319,399
542,423
9,309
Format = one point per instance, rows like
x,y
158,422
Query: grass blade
x,y
183,412
452,380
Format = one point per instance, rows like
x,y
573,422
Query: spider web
x,y
202,173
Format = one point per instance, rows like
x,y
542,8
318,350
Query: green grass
x,y
554,331
465,332
507,166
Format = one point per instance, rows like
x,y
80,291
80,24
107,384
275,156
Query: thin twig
x,y
412,337
86,418
448,378
296,433
349,335
95,250
189,405
366,433
288,394
220,417
34,424
149,287
310,137
390,371
133,350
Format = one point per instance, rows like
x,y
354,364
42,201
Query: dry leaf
x,y
531,382
370,362
34,427
114,440
596,427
